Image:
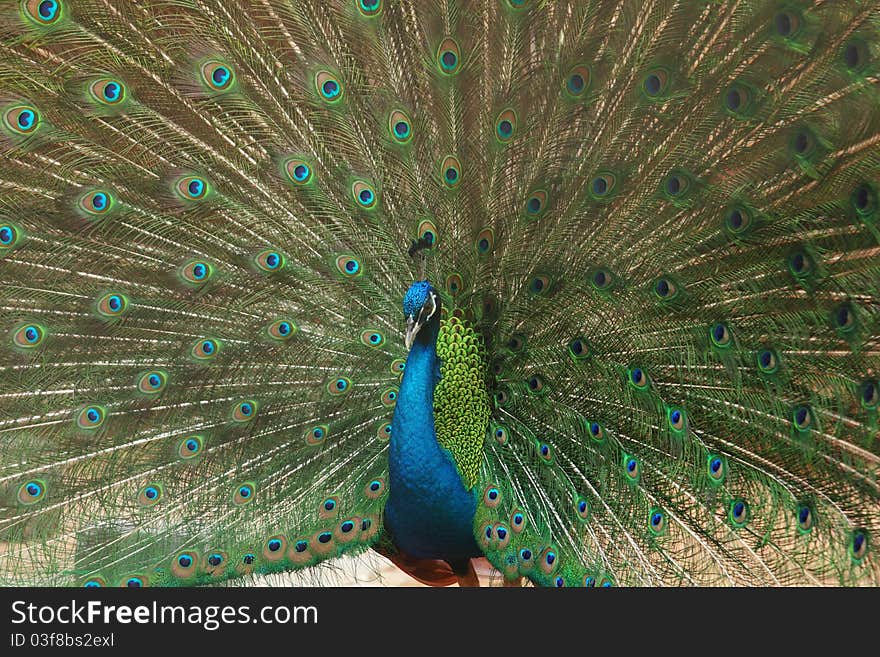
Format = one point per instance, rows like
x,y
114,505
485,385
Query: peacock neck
x,y
429,511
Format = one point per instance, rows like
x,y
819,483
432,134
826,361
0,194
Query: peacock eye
x,y
631,467
107,91
32,491
369,7
91,417
205,349
665,289
112,305
738,512
448,56
42,12
716,468
844,318
505,125
29,336
150,495
637,378
656,83
802,417
244,493
676,418
804,514
589,581
244,411
451,171
787,24
657,521
22,119
217,75
720,335
858,544
855,55
577,81
152,382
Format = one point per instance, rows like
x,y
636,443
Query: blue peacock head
x,y
421,306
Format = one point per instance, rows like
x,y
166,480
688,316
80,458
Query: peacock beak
x,y
412,328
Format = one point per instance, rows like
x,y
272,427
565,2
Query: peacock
x,y
587,289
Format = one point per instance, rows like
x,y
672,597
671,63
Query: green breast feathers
x,y
461,402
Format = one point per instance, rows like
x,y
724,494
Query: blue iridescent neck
x,y
429,512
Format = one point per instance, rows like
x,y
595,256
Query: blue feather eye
x,y
738,100
217,75
32,491
802,418
657,521
768,361
298,171
152,382
112,305
864,200
427,231
738,512
485,241
10,236
375,489
787,24
540,284
22,119
134,582
858,544
517,521
94,583
602,279
602,186
400,127
383,433
270,261
676,185
738,220
676,418
205,349
107,91
192,188
149,495
91,417
245,411
282,330
42,12
582,508
196,272
855,55
804,144
656,83
804,515
545,452
597,431
637,378
450,171
665,289
448,56
577,82
454,284
536,204
29,336
369,7
549,560
869,394
535,384
579,349
329,86
339,386
389,397
505,125
844,318
716,468
316,435
190,446
491,497
631,469
720,335
185,565
372,338
349,266
364,194
244,493
96,202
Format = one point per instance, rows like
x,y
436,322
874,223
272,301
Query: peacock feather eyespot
x,y
383,433
339,386
427,231
676,185
548,561
215,563
631,468
545,451
602,186
94,583
505,125
720,335
676,419
107,91
10,237
577,82
804,516
205,349
637,378
22,119
42,12
329,86
217,75
855,55
502,536
454,285
244,493
192,188
517,521
589,581
500,433
582,508
398,366
491,496
606,583
802,418
596,430
843,318
190,446
31,492
536,204
244,411
349,266
787,24
375,489
539,284
317,434
716,468
270,261
185,564
535,384
389,397
804,145
602,279
112,305
364,195
329,507
738,220
97,202
738,512
450,171
579,349
369,8
91,417
768,361
864,201
196,272
517,4
485,241
448,56
858,544
657,521
152,382
400,127
282,330
738,100
134,582
150,495
526,558
869,394
275,548
298,171
29,336
501,397
655,84
665,289
372,338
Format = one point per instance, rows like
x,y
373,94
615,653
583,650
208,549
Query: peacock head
x,y
421,306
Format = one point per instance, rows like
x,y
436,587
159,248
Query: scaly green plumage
x,y
656,222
